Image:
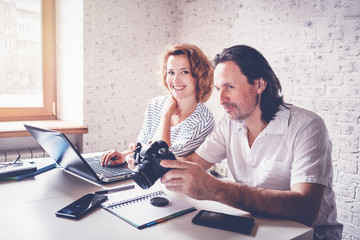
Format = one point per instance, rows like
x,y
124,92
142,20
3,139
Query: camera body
x,y
147,161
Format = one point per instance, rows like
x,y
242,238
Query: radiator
x,y
26,153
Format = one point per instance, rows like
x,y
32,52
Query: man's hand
x,y
188,178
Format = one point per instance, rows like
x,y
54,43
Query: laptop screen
x,y
62,151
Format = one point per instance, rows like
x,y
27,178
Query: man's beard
x,y
240,115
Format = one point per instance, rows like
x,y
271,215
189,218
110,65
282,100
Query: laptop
x,y
59,147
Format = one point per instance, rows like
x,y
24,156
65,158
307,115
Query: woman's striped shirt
x,y
187,136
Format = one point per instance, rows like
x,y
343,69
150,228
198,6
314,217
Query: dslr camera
x,y
147,161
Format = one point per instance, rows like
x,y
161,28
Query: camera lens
x,y
141,179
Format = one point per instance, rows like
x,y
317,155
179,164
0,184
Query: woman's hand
x,y
129,158
170,108
164,129
112,158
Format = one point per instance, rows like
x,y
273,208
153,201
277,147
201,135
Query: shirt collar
x,y
240,125
280,123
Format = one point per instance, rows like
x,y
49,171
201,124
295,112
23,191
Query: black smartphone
x,y
224,221
82,206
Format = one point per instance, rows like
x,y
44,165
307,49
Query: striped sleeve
x,y
152,117
187,136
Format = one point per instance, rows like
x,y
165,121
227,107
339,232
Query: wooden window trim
x,y
17,129
48,112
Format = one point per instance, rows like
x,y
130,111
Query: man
x,y
278,154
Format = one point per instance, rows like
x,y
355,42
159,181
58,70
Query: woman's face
x,y
179,79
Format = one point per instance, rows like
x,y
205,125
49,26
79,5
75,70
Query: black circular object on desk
x,y
159,201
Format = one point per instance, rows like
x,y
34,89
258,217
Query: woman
x,y
180,119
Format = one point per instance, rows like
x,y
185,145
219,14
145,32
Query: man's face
x,y
237,96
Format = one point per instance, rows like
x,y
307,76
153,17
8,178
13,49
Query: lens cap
x,y
159,201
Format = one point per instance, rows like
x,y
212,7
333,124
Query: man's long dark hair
x,y
254,66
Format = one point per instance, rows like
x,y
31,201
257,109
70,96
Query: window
x,y
27,60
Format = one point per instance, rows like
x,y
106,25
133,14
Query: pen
x,y
115,189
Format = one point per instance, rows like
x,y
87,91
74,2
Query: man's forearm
x,y
268,202
301,203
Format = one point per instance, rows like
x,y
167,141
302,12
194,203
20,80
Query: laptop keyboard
x,y
109,172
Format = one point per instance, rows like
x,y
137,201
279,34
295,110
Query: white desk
x,y
27,211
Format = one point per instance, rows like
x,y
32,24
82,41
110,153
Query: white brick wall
x,y
312,45
122,40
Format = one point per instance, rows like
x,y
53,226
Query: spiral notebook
x,y
140,213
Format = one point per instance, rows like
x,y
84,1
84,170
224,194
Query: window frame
x,y
48,111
